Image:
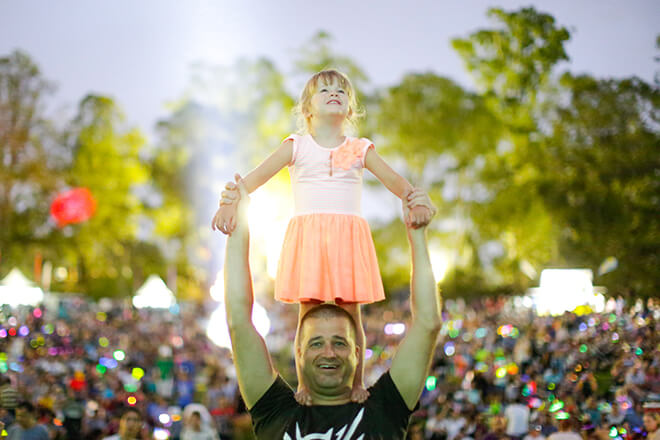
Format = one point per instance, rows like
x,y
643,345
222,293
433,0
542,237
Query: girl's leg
x,y
359,393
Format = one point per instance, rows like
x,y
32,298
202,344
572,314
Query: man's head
x,y
130,423
25,415
326,352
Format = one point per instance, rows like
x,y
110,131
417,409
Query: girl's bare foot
x,y
303,397
359,394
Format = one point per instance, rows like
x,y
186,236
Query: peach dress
x,y
328,253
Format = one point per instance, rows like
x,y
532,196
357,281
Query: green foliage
x,y
30,161
601,181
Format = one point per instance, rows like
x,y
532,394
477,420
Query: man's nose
x,y
328,350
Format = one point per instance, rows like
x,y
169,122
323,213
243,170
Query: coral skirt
x,y
328,258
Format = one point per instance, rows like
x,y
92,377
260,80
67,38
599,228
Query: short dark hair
x,y
26,405
129,409
328,311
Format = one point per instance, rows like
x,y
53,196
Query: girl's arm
x,y
224,219
392,180
419,215
269,167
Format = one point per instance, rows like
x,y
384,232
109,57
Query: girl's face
x,y
329,100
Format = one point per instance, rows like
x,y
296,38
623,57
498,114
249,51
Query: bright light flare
x,y
155,294
564,290
268,216
218,332
440,262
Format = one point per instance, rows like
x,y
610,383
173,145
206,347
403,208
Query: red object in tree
x,y
74,206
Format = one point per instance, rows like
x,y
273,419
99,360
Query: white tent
x,y
155,294
16,290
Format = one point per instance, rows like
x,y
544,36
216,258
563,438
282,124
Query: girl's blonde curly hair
x,y
327,77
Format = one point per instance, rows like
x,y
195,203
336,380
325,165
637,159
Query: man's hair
x,y
27,406
326,311
130,409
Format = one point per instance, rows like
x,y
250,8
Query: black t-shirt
x,y
384,415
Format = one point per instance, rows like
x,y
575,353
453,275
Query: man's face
x,y
130,424
327,355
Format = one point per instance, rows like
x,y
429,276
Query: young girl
x,y
328,253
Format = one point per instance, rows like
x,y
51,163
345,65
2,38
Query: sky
x,y
140,52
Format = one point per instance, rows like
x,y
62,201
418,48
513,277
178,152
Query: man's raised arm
x,y
254,367
411,363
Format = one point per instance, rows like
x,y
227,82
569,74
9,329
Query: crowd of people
x,y
92,370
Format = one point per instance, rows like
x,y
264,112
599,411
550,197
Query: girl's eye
x,y
323,90
340,91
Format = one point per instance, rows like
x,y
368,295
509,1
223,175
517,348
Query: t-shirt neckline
x,y
326,148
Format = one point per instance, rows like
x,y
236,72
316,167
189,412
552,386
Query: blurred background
x,y
533,125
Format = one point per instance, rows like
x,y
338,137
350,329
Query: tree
x,y
106,160
31,160
601,180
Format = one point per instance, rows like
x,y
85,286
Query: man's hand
x,y
224,219
418,210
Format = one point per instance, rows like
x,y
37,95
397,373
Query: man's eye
x,y
315,344
340,343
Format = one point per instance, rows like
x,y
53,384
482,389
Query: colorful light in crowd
x,y
131,400
583,348
450,348
108,362
23,331
562,415
556,406
161,434
119,355
431,383
137,373
164,418
37,313
500,372
103,341
394,328
73,206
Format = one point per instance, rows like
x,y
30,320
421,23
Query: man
x,y
130,425
26,427
327,356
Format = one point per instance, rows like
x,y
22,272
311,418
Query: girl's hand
x,y
224,219
418,210
230,195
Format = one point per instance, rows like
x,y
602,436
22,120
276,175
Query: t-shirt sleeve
x,y
277,399
295,138
385,390
367,144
